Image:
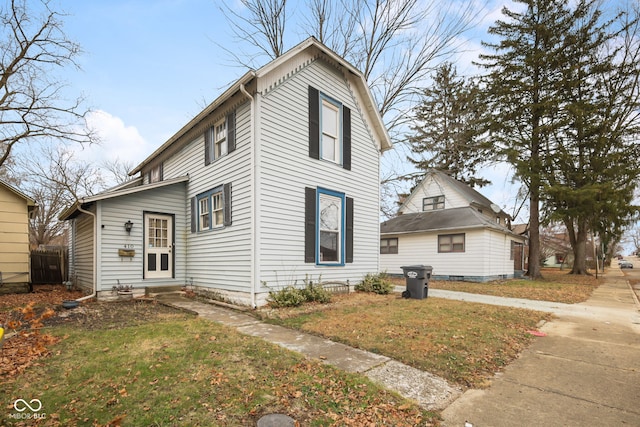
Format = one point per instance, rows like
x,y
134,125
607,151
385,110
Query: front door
x,y
158,260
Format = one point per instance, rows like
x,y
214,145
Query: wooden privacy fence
x,y
49,266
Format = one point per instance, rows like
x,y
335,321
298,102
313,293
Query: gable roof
x,y
29,200
472,196
239,86
440,220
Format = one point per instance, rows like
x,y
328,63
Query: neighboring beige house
x,y
15,210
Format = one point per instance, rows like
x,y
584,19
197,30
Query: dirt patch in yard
x,y
28,319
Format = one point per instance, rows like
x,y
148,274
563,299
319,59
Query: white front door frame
x,y
158,245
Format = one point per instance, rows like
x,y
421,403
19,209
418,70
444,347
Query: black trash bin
x,y
417,279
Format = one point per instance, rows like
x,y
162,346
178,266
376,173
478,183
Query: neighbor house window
x,y
328,227
219,139
433,203
389,246
451,243
329,129
212,209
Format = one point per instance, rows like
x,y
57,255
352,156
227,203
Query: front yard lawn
x,y
111,368
466,343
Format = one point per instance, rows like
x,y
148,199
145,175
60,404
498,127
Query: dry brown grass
x,y
464,342
556,286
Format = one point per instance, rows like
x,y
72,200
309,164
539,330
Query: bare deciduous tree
x,y
262,29
33,47
118,169
55,183
394,43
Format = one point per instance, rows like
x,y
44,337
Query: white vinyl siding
x,y
283,124
486,255
112,215
432,187
221,258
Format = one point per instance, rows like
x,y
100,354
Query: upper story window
x,y
433,203
219,139
155,174
329,129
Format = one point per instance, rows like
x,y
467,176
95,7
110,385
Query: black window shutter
x,y
161,171
346,138
314,123
349,237
309,224
207,146
226,195
194,215
231,131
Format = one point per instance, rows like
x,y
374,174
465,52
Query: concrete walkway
x,y
585,371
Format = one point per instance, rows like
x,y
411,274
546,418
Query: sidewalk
x,y
585,371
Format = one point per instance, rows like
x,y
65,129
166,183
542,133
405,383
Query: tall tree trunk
x,y
534,271
579,245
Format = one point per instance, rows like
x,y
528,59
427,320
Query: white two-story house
x,y
451,227
273,183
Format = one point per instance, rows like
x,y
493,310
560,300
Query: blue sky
x,y
149,66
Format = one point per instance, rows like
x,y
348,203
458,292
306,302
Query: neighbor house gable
x,y
439,191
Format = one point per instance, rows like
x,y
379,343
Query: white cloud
x,y
117,140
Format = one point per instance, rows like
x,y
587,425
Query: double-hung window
x,y
203,213
211,209
219,139
328,227
329,129
217,213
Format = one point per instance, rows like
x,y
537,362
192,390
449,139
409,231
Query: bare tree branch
x,y
32,106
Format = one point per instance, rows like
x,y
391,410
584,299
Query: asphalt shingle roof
x,y
445,219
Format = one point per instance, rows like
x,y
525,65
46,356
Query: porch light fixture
x,y
128,226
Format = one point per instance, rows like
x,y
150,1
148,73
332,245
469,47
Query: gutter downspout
x,y
95,254
254,203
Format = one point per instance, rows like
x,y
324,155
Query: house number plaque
x,y
126,252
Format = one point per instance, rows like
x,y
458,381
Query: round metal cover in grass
x,y
276,420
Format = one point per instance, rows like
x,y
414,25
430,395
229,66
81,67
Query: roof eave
x,y
245,79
